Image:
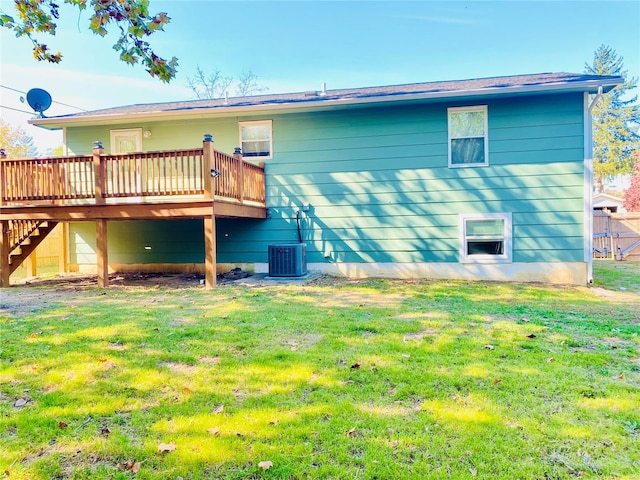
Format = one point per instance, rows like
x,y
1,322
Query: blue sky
x,y
297,45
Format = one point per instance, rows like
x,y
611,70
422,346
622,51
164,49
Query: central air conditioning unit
x,y
287,259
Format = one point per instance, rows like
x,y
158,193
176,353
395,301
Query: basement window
x,y
468,142
485,238
255,140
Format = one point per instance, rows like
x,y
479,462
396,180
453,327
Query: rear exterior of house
x,y
487,180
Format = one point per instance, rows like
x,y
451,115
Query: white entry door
x,y
128,141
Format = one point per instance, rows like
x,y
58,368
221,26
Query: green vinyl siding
x,y
379,187
164,135
170,241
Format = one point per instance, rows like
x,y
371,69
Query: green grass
x,y
336,379
617,275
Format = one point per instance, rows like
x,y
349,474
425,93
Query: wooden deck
x,y
195,183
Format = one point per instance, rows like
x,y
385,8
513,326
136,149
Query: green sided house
x,y
487,179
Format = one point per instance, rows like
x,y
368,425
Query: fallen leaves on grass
x,y
265,465
488,346
355,366
21,402
218,410
214,431
62,425
352,432
132,466
531,335
166,447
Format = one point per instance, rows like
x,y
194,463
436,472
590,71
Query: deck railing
x,y
20,230
149,175
165,174
29,180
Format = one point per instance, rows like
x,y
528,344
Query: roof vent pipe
x,y
226,98
324,88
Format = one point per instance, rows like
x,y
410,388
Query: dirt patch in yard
x,y
617,296
36,293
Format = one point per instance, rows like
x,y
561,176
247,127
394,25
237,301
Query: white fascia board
x,y
316,105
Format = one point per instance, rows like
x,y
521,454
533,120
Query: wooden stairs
x,y
24,237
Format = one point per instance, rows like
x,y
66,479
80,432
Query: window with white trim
x,y
255,140
468,138
485,238
126,140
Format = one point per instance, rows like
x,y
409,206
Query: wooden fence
x,y
616,235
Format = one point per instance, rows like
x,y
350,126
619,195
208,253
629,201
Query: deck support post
x,y
63,256
4,254
101,253
101,224
210,252
209,222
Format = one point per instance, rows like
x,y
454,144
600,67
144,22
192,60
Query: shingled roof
x,y
518,84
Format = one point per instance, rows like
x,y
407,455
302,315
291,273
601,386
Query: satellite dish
x,y
39,100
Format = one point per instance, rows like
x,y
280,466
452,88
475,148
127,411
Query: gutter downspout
x,y
588,180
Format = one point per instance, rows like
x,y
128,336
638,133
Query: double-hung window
x,y
256,140
485,238
468,139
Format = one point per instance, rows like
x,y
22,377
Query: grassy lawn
x,y
623,276
333,379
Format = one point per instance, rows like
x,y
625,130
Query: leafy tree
x,y
15,142
216,85
36,17
632,194
615,120
57,152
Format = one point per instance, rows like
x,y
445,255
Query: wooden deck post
x,y
210,174
102,244
209,162
237,154
63,252
3,156
210,252
4,232
4,254
101,253
99,172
